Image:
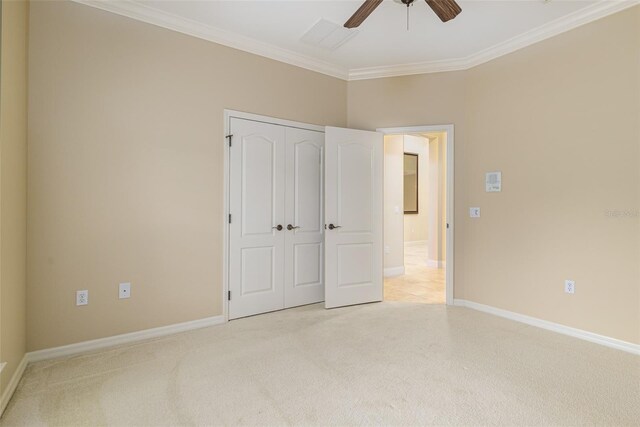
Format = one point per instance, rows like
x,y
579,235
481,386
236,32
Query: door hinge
x,y
230,138
229,218
447,225
229,295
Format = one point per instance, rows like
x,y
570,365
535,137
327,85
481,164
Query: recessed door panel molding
x,y
355,192
258,270
362,255
307,180
259,184
304,259
307,261
257,208
353,214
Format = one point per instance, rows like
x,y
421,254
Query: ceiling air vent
x,y
328,35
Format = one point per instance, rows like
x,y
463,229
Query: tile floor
x,y
420,283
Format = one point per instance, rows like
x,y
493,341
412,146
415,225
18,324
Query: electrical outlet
x,y
124,290
570,286
82,297
387,250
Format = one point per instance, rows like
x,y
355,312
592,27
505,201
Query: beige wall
x,y
125,172
393,201
416,225
125,179
539,115
549,223
436,199
13,186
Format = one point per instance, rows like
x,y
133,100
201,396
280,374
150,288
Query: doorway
x,y
418,208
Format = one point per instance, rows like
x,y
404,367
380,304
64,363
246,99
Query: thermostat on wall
x,y
493,182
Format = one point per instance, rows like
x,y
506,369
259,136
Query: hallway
x,y
420,283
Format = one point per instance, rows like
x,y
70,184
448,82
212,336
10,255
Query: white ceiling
x,y
382,45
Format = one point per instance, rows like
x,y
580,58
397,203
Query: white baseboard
x,y
85,346
13,383
551,326
394,271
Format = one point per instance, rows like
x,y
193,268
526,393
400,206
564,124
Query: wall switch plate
x,y
493,182
474,212
82,297
124,290
570,286
387,249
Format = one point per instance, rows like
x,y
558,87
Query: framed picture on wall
x,y
410,183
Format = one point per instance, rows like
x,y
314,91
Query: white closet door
x,y
257,203
304,269
353,212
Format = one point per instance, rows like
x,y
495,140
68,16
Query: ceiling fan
x,y
445,9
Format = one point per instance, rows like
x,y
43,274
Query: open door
x,y
353,216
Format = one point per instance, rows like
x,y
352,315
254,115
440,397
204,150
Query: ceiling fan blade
x,y
362,13
445,9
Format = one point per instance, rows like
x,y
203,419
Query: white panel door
x,y
304,252
257,203
353,212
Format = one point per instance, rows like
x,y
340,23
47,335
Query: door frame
x,y
226,182
449,129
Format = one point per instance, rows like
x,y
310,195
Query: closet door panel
x,y
257,203
354,214
304,269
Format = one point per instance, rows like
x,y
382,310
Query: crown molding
x,y
568,22
150,15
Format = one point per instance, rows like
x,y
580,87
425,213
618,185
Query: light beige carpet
x,y
390,363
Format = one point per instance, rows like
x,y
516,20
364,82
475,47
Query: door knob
x,y
331,226
292,227
277,227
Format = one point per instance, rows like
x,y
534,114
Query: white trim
x,y
226,182
271,120
449,129
416,243
581,17
85,346
150,15
394,271
551,326
101,343
228,114
13,383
